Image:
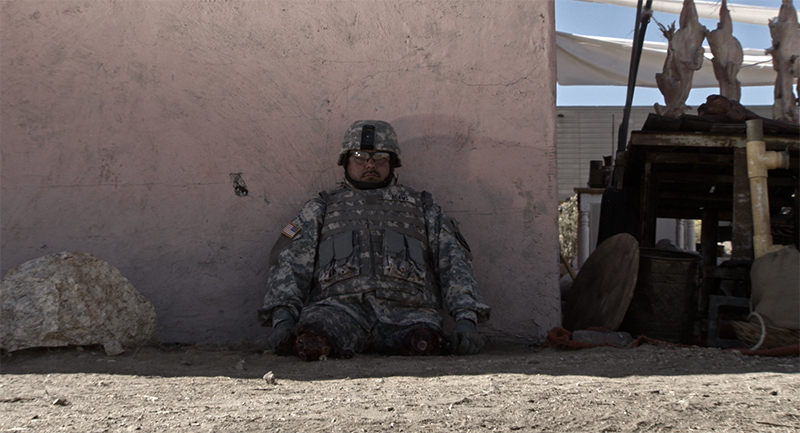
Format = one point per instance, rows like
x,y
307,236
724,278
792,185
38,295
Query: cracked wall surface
x,y
123,124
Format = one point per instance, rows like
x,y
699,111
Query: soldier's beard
x,y
370,185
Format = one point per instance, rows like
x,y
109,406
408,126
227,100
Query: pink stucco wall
x,y
122,122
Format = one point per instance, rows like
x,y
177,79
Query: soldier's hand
x,y
465,339
279,332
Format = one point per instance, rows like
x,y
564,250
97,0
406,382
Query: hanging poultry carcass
x,y
728,55
684,56
785,51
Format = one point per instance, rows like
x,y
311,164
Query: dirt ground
x,y
506,388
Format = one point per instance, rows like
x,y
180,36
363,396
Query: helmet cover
x,y
370,135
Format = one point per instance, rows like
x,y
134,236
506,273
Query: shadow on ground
x,y
254,362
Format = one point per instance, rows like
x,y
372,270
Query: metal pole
x,y
642,18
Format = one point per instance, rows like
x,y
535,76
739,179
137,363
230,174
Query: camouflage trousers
x,y
329,331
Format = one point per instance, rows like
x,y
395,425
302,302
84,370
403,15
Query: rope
x,y
763,329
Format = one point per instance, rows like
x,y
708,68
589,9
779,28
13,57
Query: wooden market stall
x,y
694,168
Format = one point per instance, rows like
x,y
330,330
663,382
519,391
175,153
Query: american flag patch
x,y
291,230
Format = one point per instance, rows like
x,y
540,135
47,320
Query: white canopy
x,y
599,61
739,13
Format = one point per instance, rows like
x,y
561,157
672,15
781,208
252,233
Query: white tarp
x,y
739,13
597,61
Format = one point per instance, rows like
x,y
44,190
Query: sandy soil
x,y
507,388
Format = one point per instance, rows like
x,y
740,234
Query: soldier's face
x,y
368,169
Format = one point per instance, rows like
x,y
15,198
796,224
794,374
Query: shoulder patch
x,y
290,230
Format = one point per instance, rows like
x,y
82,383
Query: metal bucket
x,y
664,302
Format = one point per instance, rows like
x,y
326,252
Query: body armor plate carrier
x,y
376,241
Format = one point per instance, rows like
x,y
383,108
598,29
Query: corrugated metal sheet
x,y
585,134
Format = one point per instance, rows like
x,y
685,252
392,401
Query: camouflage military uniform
x,y
369,266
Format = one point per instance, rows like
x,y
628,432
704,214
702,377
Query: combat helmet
x,y
370,135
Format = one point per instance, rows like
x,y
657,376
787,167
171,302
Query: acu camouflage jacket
x,y
392,244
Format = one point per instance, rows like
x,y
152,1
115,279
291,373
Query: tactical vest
x,y
376,241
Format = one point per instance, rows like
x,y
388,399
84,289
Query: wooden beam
x,y
693,178
700,139
695,197
690,158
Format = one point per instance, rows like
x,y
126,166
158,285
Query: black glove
x,y
282,324
279,332
465,339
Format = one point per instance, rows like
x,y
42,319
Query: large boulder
x,y
72,299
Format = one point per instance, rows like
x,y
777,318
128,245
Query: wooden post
x,y
648,207
708,244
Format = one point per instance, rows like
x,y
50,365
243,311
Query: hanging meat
x,y
684,56
728,55
785,52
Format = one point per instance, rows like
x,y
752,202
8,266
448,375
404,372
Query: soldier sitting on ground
x,y
367,266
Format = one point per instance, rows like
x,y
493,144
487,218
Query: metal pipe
x,y
643,15
759,160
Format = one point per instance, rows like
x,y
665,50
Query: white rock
x,y
72,299
112,348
